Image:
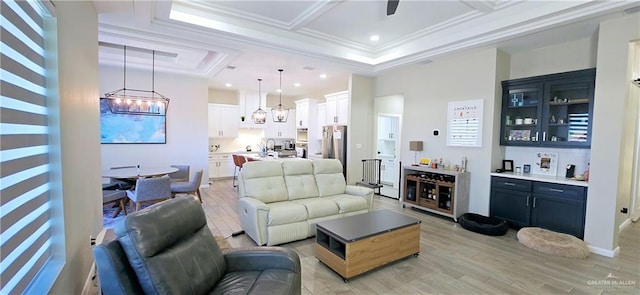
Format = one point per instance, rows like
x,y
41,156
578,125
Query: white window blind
x,y
26,235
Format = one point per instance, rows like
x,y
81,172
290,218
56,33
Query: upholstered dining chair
x,y
149,190
181,175
188,187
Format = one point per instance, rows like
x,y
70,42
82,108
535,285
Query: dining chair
x,y
238,160
181,175
149,190
188,187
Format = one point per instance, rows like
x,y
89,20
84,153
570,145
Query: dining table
x,y
129,174
134,172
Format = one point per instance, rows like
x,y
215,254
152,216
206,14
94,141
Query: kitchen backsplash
x,y
527,155
246,137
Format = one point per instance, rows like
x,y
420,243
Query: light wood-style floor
x,y
452,260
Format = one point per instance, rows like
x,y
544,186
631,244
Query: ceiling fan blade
x,y
392,5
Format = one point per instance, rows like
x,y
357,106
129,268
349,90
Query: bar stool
x,y
238,161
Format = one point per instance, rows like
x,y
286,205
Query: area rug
x,y
553,243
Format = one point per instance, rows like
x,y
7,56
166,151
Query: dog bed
x,y
490,226
553,243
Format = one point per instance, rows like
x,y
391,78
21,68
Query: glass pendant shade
x,y
259,116
280,113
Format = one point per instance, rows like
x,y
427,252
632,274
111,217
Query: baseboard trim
x,y
624,224
604,252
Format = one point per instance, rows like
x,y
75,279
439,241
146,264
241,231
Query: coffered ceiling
x,y
237,42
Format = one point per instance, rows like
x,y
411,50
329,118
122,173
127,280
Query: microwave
x,y
302,135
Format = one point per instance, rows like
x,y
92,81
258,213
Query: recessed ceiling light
x,y
296,84
228,84
323,76
374,38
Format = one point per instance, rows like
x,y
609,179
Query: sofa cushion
x,y
329,177
285,212
349,203
317,207
264,180
170,234
298,176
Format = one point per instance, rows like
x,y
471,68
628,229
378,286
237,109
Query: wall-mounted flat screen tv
x,y
127,129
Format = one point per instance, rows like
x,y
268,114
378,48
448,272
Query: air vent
x,y
231,67
308,68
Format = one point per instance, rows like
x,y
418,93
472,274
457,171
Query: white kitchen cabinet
x,y
337,108
389,171
387,128
280,129
302,113
221,165
223,120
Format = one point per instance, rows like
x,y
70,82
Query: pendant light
x,y
280,113
135,101
259,116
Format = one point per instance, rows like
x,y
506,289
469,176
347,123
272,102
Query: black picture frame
x,y
507,165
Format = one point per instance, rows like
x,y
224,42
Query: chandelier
x,y
259,116
136,101
280,113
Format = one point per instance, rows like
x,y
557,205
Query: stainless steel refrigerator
x,y
334,144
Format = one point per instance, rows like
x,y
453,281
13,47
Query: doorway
x,y
387,140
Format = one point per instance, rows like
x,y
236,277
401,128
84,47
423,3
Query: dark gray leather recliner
x,y
168,249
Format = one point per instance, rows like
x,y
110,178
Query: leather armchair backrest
x,y
298,175
115,273
171,249
264,180
329,177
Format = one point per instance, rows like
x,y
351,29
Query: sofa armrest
x,y
364,192
253,218
261,258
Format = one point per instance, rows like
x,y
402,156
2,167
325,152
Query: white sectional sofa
x,y
281,201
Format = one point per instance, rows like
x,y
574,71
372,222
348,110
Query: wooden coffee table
x,y
356,244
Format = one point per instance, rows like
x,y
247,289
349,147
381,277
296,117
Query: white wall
x,y
427,90
79,143
187,125
607,156
359,130
569,56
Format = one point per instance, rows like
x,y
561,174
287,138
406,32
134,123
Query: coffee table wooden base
x,y
352,259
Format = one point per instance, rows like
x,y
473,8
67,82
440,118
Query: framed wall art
x,y
130,128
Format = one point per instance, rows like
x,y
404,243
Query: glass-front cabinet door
x,y
551,110
520,113
567,114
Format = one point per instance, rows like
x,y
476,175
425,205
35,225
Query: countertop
x,y
543,178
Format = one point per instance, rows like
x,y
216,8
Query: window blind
x,y
25,202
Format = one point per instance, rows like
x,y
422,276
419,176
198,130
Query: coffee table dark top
x,y
357,227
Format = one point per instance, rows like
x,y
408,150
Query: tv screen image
x,y
127,129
